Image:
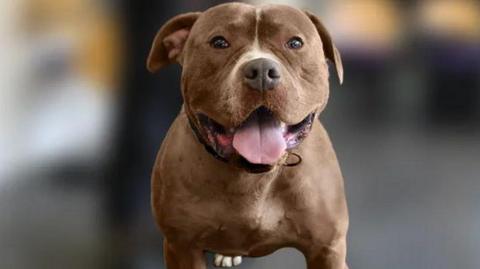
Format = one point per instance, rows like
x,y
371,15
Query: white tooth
x,y
237,260
218,260
227,261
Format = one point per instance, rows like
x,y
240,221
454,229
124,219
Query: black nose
x,y
262,74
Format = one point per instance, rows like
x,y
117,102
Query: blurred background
x,y
81,120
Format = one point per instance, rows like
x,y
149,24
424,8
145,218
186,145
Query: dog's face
x,y
253,77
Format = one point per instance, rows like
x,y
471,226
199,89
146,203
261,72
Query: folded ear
x,y
329,49
168,44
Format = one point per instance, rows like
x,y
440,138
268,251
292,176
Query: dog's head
x,y
254,78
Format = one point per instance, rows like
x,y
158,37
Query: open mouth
x,y
261,140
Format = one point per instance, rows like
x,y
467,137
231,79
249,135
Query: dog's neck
x,y
238,181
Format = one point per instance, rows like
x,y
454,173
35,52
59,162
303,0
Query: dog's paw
x,y
226,261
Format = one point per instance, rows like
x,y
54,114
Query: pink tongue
x,y
260,142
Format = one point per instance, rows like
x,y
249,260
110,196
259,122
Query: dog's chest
x,y
237,226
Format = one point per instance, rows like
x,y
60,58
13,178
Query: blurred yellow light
x,y
454,18
370,22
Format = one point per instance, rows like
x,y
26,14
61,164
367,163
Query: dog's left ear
x,y
331,52
168,44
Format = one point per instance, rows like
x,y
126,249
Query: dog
x,y
245,169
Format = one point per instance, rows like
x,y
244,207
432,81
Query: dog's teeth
x,y
227,261
231,130
237,260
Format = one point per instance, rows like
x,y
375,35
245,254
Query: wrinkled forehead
x,y
235,19
226,19
273,19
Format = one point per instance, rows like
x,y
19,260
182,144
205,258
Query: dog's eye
x,y
219,42
295,43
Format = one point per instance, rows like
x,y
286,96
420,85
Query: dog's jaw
x,y
245,140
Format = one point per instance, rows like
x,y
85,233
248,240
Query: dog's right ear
x,y
330,50
168,44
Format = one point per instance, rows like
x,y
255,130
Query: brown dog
x,y
245,169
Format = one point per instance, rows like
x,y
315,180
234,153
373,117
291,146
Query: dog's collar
x,y
202,141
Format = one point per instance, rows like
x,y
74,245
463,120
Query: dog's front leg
x,y
180,257
327,257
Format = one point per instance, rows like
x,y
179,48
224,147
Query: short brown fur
x,y
202,204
